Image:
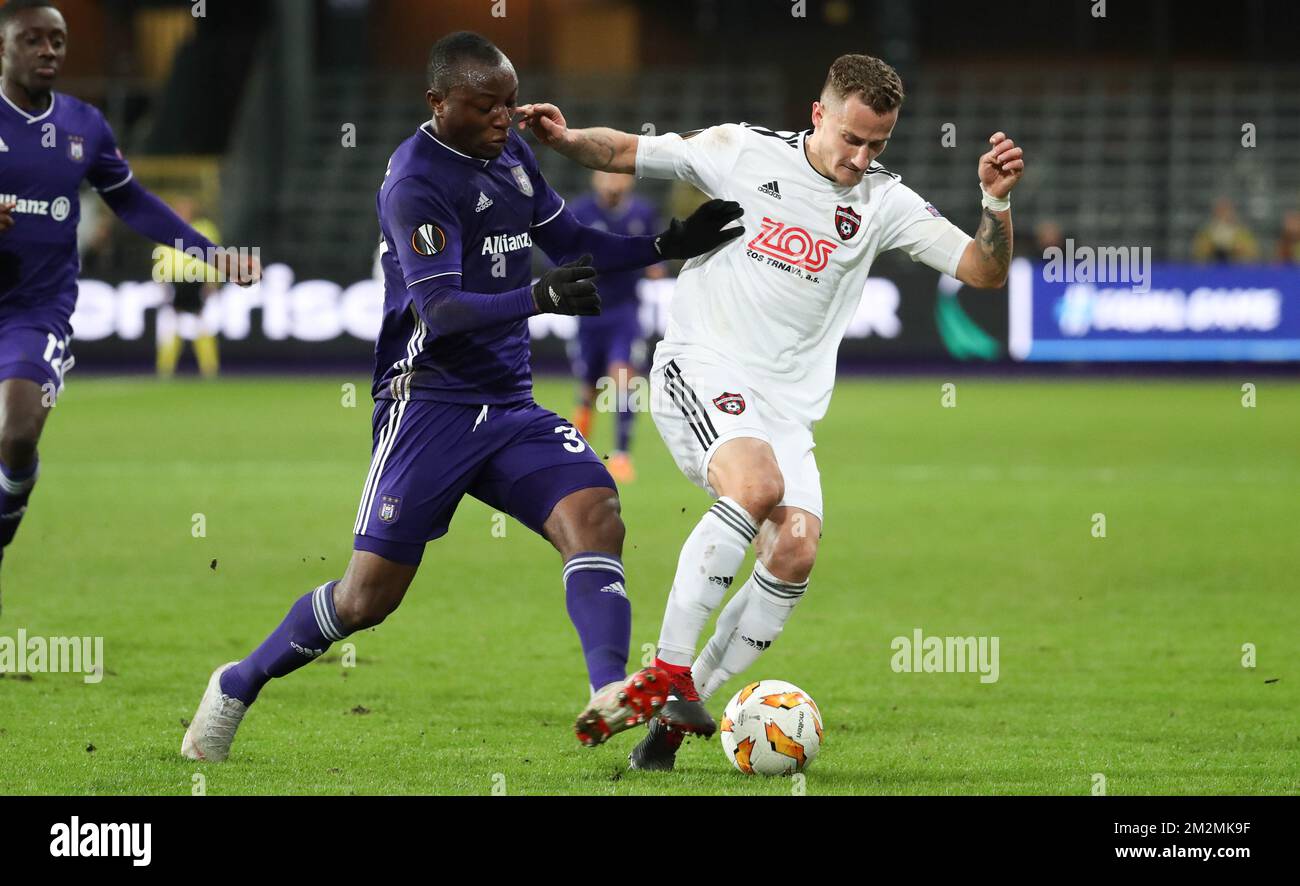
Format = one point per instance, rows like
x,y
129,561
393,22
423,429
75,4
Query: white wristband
x,y
997,204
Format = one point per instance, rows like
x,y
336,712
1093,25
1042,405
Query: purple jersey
x,y
446,214
43,160
634,216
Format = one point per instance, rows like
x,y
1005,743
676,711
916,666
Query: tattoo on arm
x,y
597,148
994,240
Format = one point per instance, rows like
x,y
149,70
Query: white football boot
x,y
621,705
212,730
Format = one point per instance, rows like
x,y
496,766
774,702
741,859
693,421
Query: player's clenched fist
x,y
568,289
1002,166
6,216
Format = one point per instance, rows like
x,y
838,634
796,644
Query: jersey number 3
x,y
573,441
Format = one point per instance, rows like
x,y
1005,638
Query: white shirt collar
x,y
29,117
427,129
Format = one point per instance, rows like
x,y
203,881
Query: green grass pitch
x,y
1119,655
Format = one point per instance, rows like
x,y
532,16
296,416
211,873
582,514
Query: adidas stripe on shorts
x,y
698,405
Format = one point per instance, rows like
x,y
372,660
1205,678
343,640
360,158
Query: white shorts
x,y
697,406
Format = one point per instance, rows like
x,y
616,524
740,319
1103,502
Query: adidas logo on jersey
x,y
771,189
3,147
484,201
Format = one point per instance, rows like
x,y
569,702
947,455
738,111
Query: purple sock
x,y
599,608
306,632
624,429
15,489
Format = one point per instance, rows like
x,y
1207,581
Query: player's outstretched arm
x,y
595,148
6,216
987,258
150,217
564,237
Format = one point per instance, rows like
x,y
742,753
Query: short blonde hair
x,y
874,81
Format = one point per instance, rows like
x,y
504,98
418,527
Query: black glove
x,y
702,232
568,289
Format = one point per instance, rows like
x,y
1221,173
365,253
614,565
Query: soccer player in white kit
x,y
747,364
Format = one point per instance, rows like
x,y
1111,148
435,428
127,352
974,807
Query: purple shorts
x,y
517,458
35,353
602,342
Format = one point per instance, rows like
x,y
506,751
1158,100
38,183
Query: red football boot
x,y
621,705
684,712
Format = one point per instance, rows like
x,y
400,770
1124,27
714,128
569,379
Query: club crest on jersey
x,y
76,148
846,222
522,180
428,240
389,507
732,404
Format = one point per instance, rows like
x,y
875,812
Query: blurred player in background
x,y
49,144
609,349
1225,239
747,364
191,284
1288,241
460,208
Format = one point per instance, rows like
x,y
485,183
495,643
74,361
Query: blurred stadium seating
x,y
1121,155
1133,123
324,218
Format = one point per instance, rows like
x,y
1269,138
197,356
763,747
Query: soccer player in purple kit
x,y
460,207
611,345
49,144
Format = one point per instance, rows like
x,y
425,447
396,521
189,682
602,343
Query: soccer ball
x,y
771,727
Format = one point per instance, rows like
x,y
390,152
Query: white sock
x,y
762,615
705,569
711,656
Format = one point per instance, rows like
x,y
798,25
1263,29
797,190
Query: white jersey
x,y
777,300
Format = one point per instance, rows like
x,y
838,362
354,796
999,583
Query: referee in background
x,y
191,282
